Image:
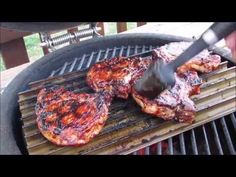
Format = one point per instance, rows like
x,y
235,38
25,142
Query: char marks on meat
x,y
118,75
175,102
66,118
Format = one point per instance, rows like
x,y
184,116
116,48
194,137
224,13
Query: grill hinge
x,y
72,37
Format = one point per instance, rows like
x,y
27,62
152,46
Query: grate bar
x,y
63,68
227,136
207,147
114,52
182,144
81,62
106,53
232,117
89,60
121,51
52,73
170,146
159,148
38,144
128,51
150,47
136,49
216,137
98,56
73,64
143,48
194,143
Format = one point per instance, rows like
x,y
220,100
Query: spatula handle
x,y
215,33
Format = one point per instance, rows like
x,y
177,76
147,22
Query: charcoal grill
x,y
215,137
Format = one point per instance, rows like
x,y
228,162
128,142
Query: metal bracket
x,y
73,37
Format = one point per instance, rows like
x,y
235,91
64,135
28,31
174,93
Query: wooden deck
x,y
178,29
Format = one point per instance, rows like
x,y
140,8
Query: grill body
x,y
202,140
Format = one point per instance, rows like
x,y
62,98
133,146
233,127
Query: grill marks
x,y
116,75
175,102
171,104
66,118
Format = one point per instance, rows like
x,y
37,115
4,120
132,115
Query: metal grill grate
x,y
205,139
87,60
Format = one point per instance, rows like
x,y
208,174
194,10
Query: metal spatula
x,y
160,76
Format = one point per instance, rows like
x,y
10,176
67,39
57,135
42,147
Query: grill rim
x,y
10,114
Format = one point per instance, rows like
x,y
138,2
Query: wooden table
x,y
179,29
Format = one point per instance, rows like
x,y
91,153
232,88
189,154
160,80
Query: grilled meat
x,y
66,118
175,102
204,62
116,75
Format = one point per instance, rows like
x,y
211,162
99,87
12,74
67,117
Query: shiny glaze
x,y
66,118
116,75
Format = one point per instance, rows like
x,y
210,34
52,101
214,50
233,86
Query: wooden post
x,y
13,48
101,25
141,23
45,50
121,26
14,53
8,35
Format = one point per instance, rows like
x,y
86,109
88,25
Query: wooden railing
x,y
13,49
120,26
